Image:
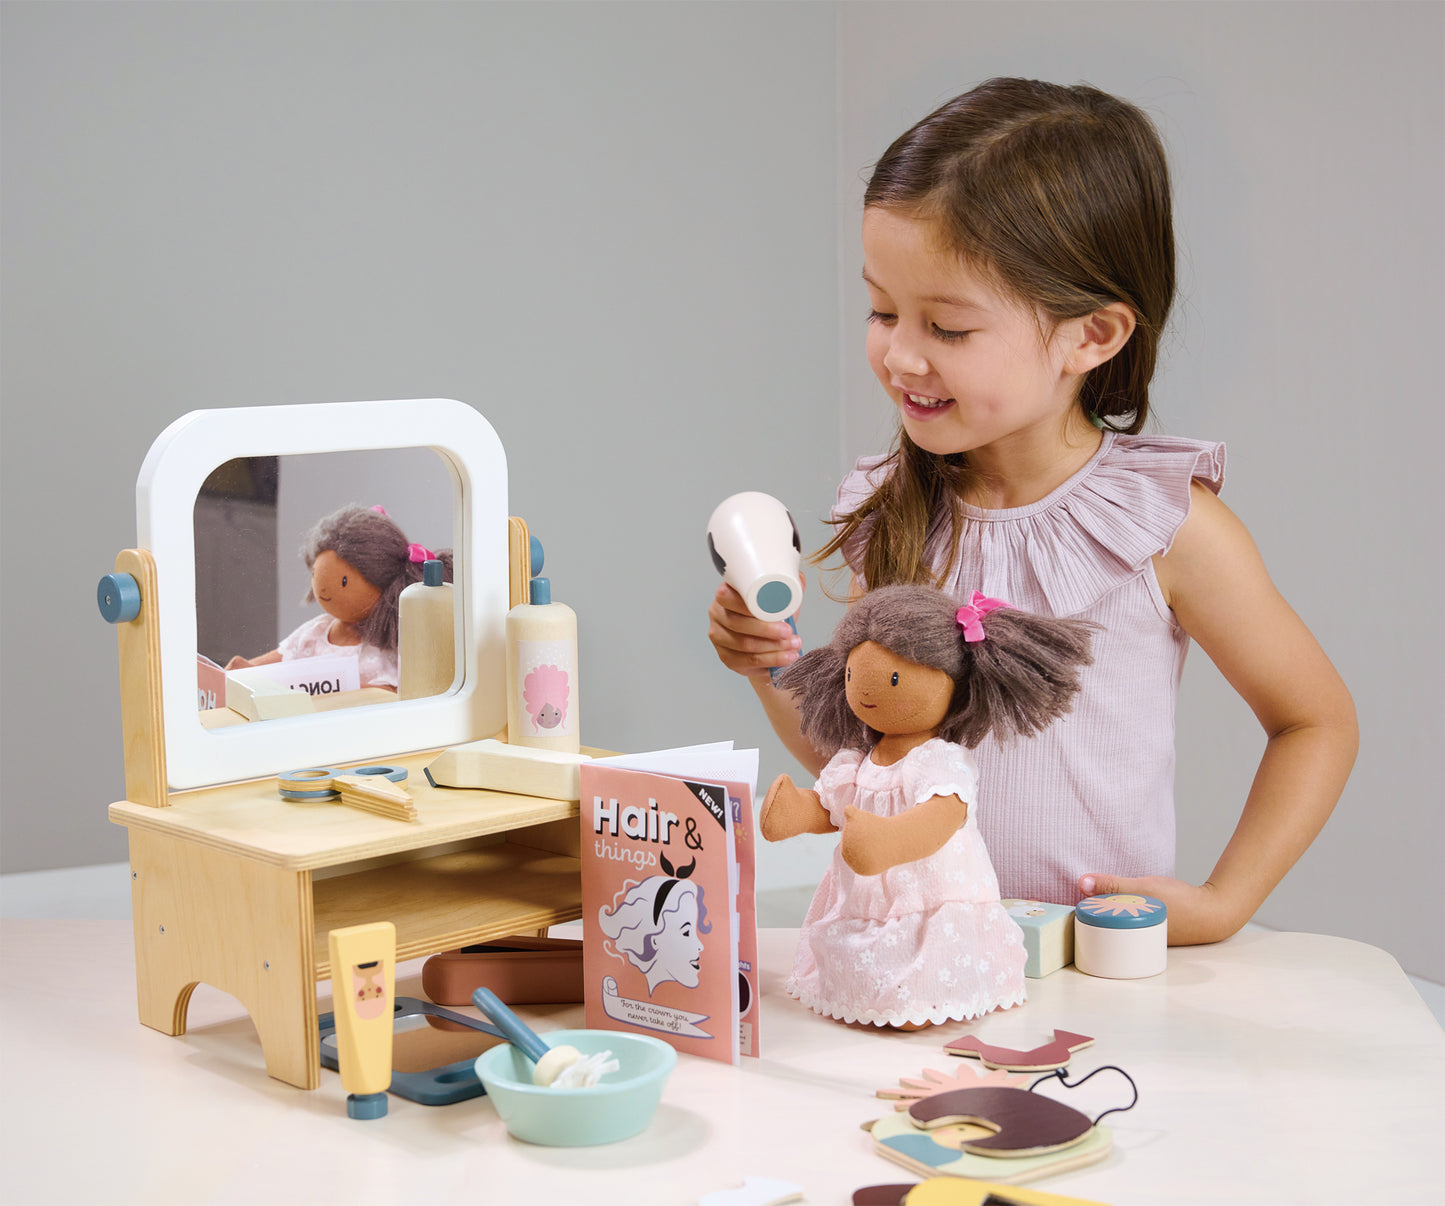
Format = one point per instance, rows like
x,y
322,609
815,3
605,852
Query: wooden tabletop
x,y
1273,1069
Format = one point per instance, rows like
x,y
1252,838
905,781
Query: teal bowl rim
x,y
610,1088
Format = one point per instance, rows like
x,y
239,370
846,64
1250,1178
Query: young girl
x,y
1019,258
360,562
907,928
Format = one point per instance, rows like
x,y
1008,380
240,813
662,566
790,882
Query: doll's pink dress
x,y
375,666
926,941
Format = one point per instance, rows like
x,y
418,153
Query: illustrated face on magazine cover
x,y
679,948
661,938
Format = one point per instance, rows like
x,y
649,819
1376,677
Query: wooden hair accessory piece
x,y
1022,1123
1055,1054
930,1083
376,794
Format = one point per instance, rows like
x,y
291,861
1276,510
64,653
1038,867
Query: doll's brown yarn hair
x,y
1018,680
369,541
1060,196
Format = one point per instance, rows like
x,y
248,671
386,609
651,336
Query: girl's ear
x,y
1097,337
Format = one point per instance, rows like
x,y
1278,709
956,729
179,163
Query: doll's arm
x,y
789,810
1221,593
873,844
266,659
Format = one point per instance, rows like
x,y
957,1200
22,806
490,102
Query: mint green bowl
x,y
616,1108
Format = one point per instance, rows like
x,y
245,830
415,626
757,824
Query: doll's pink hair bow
x,y
970,615
419,552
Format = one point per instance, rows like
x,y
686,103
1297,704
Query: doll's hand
x,y
745,644
1196,914
865,841
238,662
788,811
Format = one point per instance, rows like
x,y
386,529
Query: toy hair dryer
x,y
756,547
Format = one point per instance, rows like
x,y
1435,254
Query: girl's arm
x,y
749,647
1216,583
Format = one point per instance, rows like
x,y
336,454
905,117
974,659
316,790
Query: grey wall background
x,y
627,233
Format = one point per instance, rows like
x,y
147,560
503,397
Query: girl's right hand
x,y
746,645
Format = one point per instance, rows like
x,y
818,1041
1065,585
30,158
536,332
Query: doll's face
x,y
893,695
340,590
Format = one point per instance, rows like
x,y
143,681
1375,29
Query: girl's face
x,y
966,367
893,695
678,946
341,591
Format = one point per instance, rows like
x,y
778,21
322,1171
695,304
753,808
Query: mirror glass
x,y
253,515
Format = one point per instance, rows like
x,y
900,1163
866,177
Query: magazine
x,y
670,940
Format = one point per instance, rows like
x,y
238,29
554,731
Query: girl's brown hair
x,y
1061,197
1020,678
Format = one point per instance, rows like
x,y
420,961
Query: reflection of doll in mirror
x,y
657,926
360,562
907,928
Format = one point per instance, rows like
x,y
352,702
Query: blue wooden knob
x,y
119,598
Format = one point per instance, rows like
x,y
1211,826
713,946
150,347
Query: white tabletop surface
x,y
1273,1068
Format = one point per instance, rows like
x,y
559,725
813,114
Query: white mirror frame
x,y
171,476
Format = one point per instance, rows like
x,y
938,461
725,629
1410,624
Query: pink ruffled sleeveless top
x,y
1094,791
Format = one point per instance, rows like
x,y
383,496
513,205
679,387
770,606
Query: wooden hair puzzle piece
x,y
376,794
1054,1054
755,1191
953,1191
930,1083
1020,1123
941,1152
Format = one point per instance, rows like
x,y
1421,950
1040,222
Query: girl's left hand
x,y
1196,914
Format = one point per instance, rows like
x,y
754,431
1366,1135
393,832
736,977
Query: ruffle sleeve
x,y
939,768
835,778
1101,528
853,491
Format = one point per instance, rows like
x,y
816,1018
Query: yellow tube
x,y
363,996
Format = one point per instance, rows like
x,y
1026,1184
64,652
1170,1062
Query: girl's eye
x,y
848,675
895,678
343,581
948,336
878,316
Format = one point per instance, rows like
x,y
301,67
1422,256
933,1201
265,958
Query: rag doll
x,y
360,562
906,928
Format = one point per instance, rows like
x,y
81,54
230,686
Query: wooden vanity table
x,y
235,887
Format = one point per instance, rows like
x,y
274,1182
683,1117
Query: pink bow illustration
x,y
970,615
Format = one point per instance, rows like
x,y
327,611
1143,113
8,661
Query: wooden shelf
x,y
451,900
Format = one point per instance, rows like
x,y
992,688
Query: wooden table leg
x,y
205,915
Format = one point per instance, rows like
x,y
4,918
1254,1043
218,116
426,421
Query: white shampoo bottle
x,y
426,646
542,700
